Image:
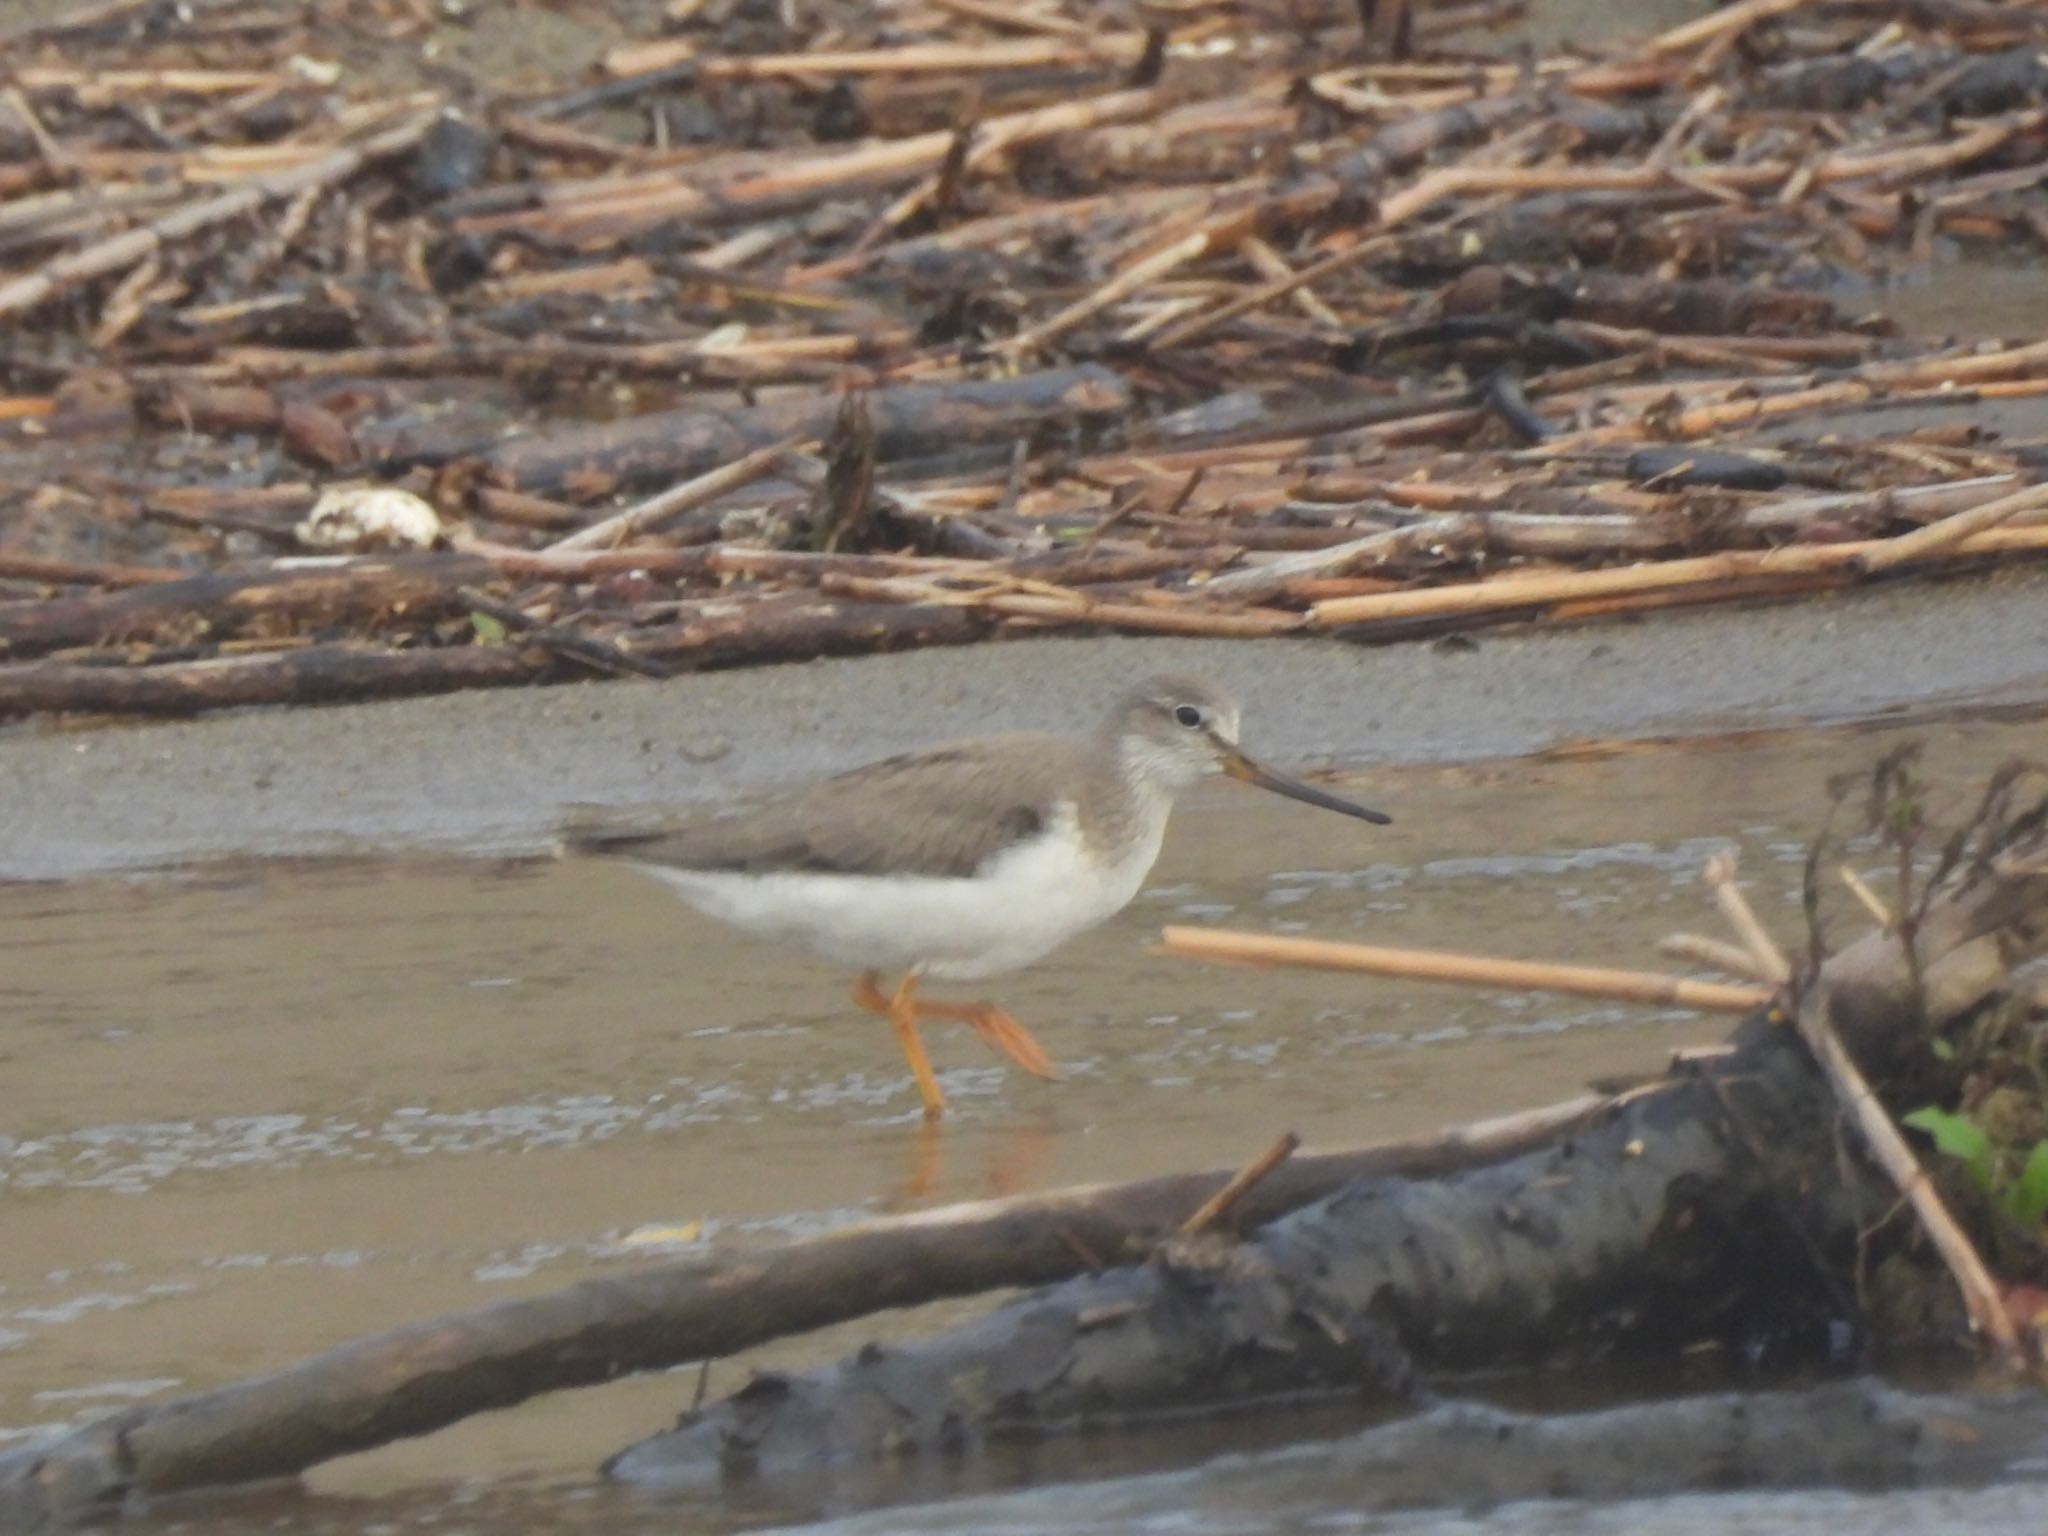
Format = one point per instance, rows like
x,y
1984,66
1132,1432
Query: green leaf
x,y
1943,1050
489,631
2027,1199
1958,1137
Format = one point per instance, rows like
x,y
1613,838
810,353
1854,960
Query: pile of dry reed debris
x,y
830,327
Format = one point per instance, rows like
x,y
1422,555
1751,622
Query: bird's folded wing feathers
x,y
941,813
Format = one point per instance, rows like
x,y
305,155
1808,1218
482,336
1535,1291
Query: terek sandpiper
x,y
964,860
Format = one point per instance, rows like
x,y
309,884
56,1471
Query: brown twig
x,y
1938,538
1872,902
1731,958
597,654
1769,960
124,250
1543,588
1860,1102
1224,230
1459,969
1220,1204
657,511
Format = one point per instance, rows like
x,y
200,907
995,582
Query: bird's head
x,y
1175,730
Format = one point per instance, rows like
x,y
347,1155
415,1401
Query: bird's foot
x,y
1001,1031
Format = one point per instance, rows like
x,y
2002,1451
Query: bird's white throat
x,y
1154,769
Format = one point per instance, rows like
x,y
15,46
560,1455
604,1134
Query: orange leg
x,y
924,1165
1001,1031
901,1011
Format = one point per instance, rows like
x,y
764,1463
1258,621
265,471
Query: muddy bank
x,y
1899,1458
496,769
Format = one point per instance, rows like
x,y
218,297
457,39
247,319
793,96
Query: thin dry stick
x,y
1872,902
1952,530
930,58
104,85
1543,588
966,158
1219,1204
1225,230
1398,209
1466,970
649,515
1916,162
52,152
1699,420
1735,908
1179,619
1957,371
1733,18
1016,19
1200,325
1731,958
1068,607
1257,582
583,564
125,249
1859,1102
1666,149
1911,500
1272,266
579,206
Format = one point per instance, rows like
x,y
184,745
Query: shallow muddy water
x,y
258,1109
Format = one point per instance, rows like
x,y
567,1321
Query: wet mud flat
x,y
496,771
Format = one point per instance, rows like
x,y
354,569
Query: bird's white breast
x,y
1021,904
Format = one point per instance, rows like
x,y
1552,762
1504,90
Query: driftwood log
x,y
784,627
224,602
315,674
646,452
1861,1435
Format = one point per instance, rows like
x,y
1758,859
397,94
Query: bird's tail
x,y
593,831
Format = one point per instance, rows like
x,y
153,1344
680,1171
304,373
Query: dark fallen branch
x,y
644,452
598,655
1861,1435
222,603
1857,1434
16,566
793,626
314,674
796,626
420,1378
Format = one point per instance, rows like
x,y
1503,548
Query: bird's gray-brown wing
x,y
941,812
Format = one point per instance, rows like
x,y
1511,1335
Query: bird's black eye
x,y
1188,715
